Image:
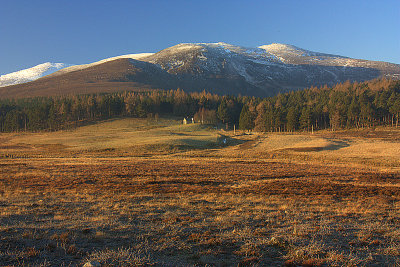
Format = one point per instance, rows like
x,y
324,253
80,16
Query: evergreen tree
x,y
292,119
366,109
352,105
353,113
394,108
222,112
305,118
246,119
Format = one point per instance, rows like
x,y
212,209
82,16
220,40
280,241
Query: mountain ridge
x,y
216,67
31,74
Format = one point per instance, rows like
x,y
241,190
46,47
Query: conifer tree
x,y
292,119
246,119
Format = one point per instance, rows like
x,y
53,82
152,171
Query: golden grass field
x,y
137,192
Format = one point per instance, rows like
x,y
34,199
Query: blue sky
x,y
84,31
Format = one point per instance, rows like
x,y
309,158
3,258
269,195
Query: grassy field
x,y
124,137
133,192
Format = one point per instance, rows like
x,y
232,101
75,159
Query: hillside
x,y
112,76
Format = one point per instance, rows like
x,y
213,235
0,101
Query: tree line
x,y
346,105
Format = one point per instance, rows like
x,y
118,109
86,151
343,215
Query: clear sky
x,y
84,31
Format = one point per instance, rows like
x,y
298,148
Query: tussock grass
x,y
187,212
206,204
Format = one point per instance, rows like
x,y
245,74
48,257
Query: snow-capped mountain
x,y
264,70
30,74
215,67
41,70
290,54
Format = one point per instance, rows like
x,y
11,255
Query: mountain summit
x,y
216,67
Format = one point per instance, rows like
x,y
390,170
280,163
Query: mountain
x,y
30,74
267,69
44,69
216,67
116,75
85,66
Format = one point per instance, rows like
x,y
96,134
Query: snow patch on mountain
x,y
184,46
30,74
284,48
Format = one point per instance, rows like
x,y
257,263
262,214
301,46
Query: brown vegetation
x,y
215,206
113,76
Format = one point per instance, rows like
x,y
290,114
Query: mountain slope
x,y
216,67
85,66
116,75
44,69
270,68
30,74
290,54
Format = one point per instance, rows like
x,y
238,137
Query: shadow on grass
x,y
335,145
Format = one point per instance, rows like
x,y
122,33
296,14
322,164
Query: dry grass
x,y
212,206
378,149
121,137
